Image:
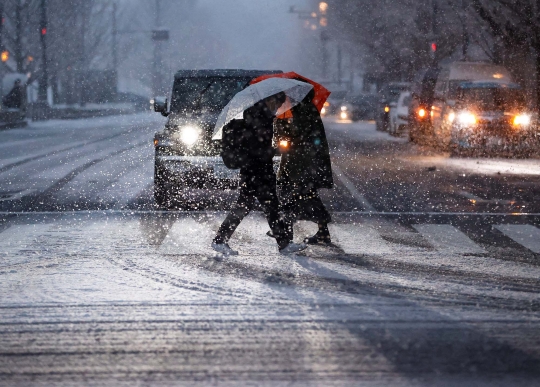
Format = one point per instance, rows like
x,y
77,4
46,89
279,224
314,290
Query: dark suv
x,y
185,154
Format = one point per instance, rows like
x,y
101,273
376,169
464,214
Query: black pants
x,y
302,203
260,186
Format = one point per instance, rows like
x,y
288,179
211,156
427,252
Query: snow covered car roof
x,y
223,73
479,71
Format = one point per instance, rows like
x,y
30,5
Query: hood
x,y
205,120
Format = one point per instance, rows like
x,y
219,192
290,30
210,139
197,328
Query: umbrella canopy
x,y
321,92
294,90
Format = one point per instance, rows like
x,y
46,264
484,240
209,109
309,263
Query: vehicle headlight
x,y
189,134
466,118
343,115
344,108
522,120
422,112
323,111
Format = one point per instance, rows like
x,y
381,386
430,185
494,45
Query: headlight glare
x,y
466,118
522,120
189,134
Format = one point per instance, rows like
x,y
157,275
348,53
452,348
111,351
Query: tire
x,y
161,192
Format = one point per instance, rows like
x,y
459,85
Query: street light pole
x,y
115,43
156,73
44,81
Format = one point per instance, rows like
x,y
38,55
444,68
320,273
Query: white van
x,y
448,81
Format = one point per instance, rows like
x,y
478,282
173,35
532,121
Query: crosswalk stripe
x,y
21,243
524,234
359,239
187,236
191,236
448,238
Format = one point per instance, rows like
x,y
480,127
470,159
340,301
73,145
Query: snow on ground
x,y
128,119
482,166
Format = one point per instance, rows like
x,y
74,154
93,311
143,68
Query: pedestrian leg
x,y
280,229
316,211
241,208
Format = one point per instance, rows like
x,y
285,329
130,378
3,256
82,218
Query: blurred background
x,y
71,53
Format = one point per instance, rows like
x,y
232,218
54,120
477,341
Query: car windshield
x,y
194,94
392,94
498,99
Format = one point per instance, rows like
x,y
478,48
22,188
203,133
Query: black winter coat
x,y
257,140
308,162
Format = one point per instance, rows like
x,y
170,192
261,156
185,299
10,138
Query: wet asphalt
x,y
424,284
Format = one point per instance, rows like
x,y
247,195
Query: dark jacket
x,y
308,161
14,99
258,139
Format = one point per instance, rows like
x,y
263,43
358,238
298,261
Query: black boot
x,y
322,236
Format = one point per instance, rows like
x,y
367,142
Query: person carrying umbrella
x,y
306,168
257,176
305,164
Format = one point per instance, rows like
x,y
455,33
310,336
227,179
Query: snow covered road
x,y
420,287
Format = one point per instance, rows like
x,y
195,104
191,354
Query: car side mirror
x,y
160,106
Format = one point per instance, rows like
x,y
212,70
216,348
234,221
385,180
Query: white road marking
x,y
210,212
18,195
352,189
524,234
186,237
359,239
448,238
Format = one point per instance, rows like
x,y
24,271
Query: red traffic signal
x,y
433,47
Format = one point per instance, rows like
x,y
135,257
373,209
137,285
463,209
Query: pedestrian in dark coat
x,y
258,180
14,99
305,169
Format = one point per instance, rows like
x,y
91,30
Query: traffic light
x,y
433,47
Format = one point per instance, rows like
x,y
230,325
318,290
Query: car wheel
x,y
161,191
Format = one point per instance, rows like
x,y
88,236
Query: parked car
x,y
359,107
14,104
399,114
387,95
333,103
422,92
185,154
493,118
450,78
